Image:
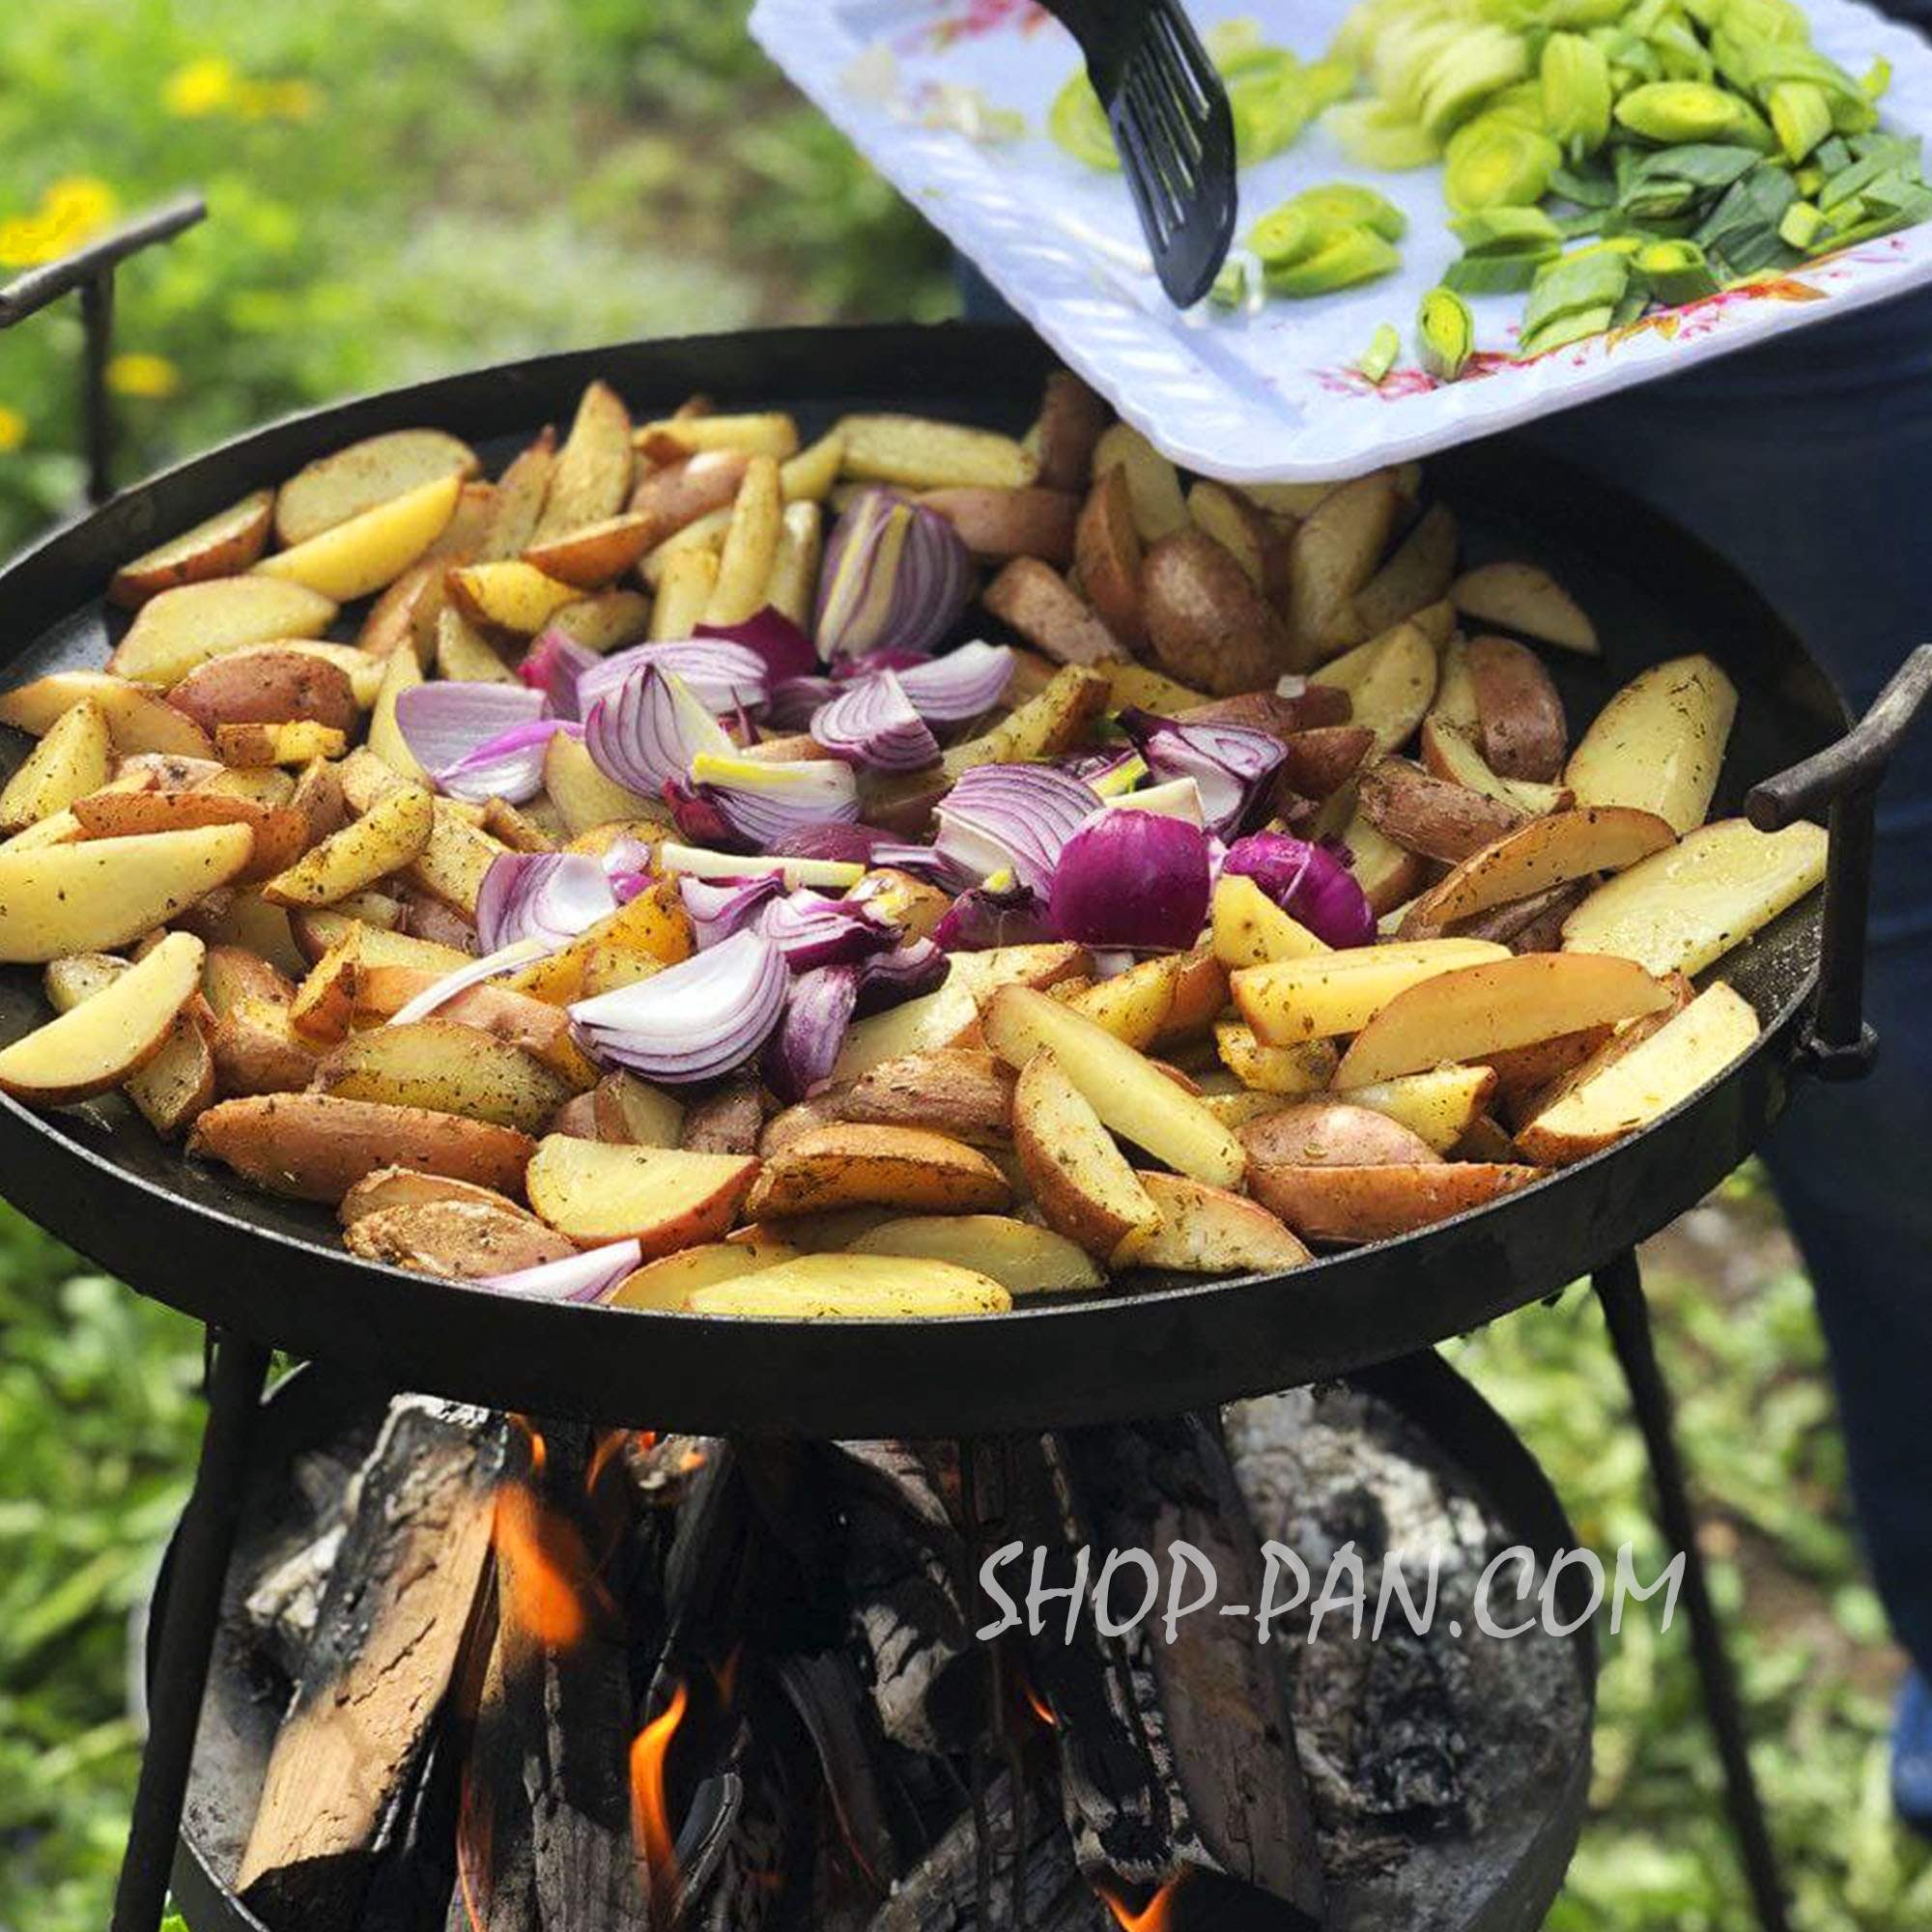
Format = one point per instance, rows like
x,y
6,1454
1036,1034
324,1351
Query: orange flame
x,y
726,1676
646,1441
1157,1914
1041,1708
650,1809
691,1461
542,1570
472,1844
609,1443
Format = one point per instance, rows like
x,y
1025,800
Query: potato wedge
x,y
1085,1185
514,510
1208,624
1022,1258
279,832
1209,1230
458,1240
582,793
772,433
632,1111
1107,553
464,655
654,925
315,932
1635,1087
995,525
316,1147
1430,815
512,595
594,554
1035,600
366,476
919,453
1415,574
1540,853
1479,1009
1390,681
683,588
394,832
1153,486
179,1082
1438,1107
1248,535
662,1198
1129,1093
137,721
370,550
1521,598
446,1067
852,1165
1680,909
1658,743
673,496
954,1092
1284,1070
224,545
751,543
1449,751
404,1187
231,974
669,1281
294,742
1327,994
602,622
728,1120
792,583
1374,1203
452,865
1333,556
175,630
1045,725
265,685
1134,1005
100,1042
1333,1133
1131,683
71,760
540,1029
385,742
864,1287
103,892
592,476
1070,426
1250,930
1520,720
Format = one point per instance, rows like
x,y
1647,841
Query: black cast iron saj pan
x,y
271,1269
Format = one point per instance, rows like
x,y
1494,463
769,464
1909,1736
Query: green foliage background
x,y
480,178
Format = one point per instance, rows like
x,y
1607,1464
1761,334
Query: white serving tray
x,y
1272,395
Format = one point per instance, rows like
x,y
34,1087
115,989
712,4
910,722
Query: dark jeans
x,y
1808,462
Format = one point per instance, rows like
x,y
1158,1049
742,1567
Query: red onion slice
x,y
1311,883
509,766
721,907
695,1020
724,677
773,637
1133,879
960,685
804,1049
586,1277
1232,765
549,897
794,700
553,666
982,918
895,577
442,723
1013,816
872,722
765,802
813,930
644,733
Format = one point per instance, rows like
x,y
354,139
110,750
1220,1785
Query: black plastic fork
x,y
1171,122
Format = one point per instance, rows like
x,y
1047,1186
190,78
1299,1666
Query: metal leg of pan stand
x,y
1620,1290
237,1371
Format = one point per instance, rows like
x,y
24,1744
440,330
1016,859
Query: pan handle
x,y
1838,1044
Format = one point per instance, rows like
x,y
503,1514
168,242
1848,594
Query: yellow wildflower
x,y
136,372
12,428
73,210
201,88
278,100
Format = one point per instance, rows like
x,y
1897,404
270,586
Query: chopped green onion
x,y
1078,123
1586,187
1229,288
1351,256
1352,204
1475,63
1380,356
1446,332
1877,79
1375,134
1590,282
1801,225
1289,234
1675,271
1673,111
1492,274
1496,163
1741,232
1801,116
1575,92
1564,330
1495,231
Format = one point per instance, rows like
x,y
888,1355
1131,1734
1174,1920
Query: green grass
x,y
477,178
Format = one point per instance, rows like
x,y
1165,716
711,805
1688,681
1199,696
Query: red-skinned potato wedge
x,y
1108,551
1208,624
1373,1204
316,1147
103,1041
674,494
1439,1106
1209,1230
995,525
447,1067
1449,751
231,974
1426,814
1540,853
1486,1009
592,476
1072,421
1038,602
1520,720
334,488
280,832
660,1197
225,545
1390,681
1324,757
726,1122
137,721
391,834
1086,1187
457,1239
1333,1133
1248,535
180,1082
404,1187
671,1281
1153,484
952,1091
632,1111
257,1050
1323,995
1022,1258
853,1165
261,685
1520,597
594,554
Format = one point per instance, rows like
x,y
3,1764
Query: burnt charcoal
x,y
1412,1747
825,1693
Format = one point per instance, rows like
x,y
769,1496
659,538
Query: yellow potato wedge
x,y
594,554
853,1165
683,588
1390,681
1153,484
103,892
1545,852
1022,1258
751,544
1470,1013
632,1111
1449,751
99,1043
368,474
316,933
1637,1085
808,477
1333,1133
451,866
1129,1093
323,1006
592,476
967,1094
654,925
231,974
1287,1070
464,655
447,1067
602,622
920,453
404,1187
1248,535
1035,600
75,758
395,831
1208,623
512,595
1387,873
1658,743
1333,556
1210,1231
662,1198
225,545
518,503
279,832
179,1082
792,583
582,793
1521,598
670,441
1107,553
1085,1185
175,630
385,742
316,1147
1045,725
1374,1203
370,550
1134,1005
294,742
1415,575
138,720
457,1239
672,1280
1438,1106
863,1288
1331,993
1680,909
1129,683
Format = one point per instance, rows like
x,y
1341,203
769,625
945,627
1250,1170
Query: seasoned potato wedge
x,y
1658,743
137,721
1037,602
1479,1009
602,622
385,747
683,588
1153,486
1521,598
1284,1070
1250,930
1070,423
632,1110
1000,524
1107,553
594,554
100,1043
1134,1005
513,595
1335,551
518,502
464,655
1390,681
265,685
175,1087
1373,1204
862,1287
919,453
1045,725
772,433
1333,1133
963,1094
728,1120
853,1165
279,832
71,760
751,543
318,1146
793,581
1520,720
1430,815
177,629
295,740
225,545
372,549
662,1198
1209,625
1450,752
1086,1187
392,832
1680,909
447,1067
582,793
1416,573
1210,1231
404,1187
1327,994
1438,1106
455,1238
592,475
451,866
364,476
1022,1258
1248,535
1540,853
672,1280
